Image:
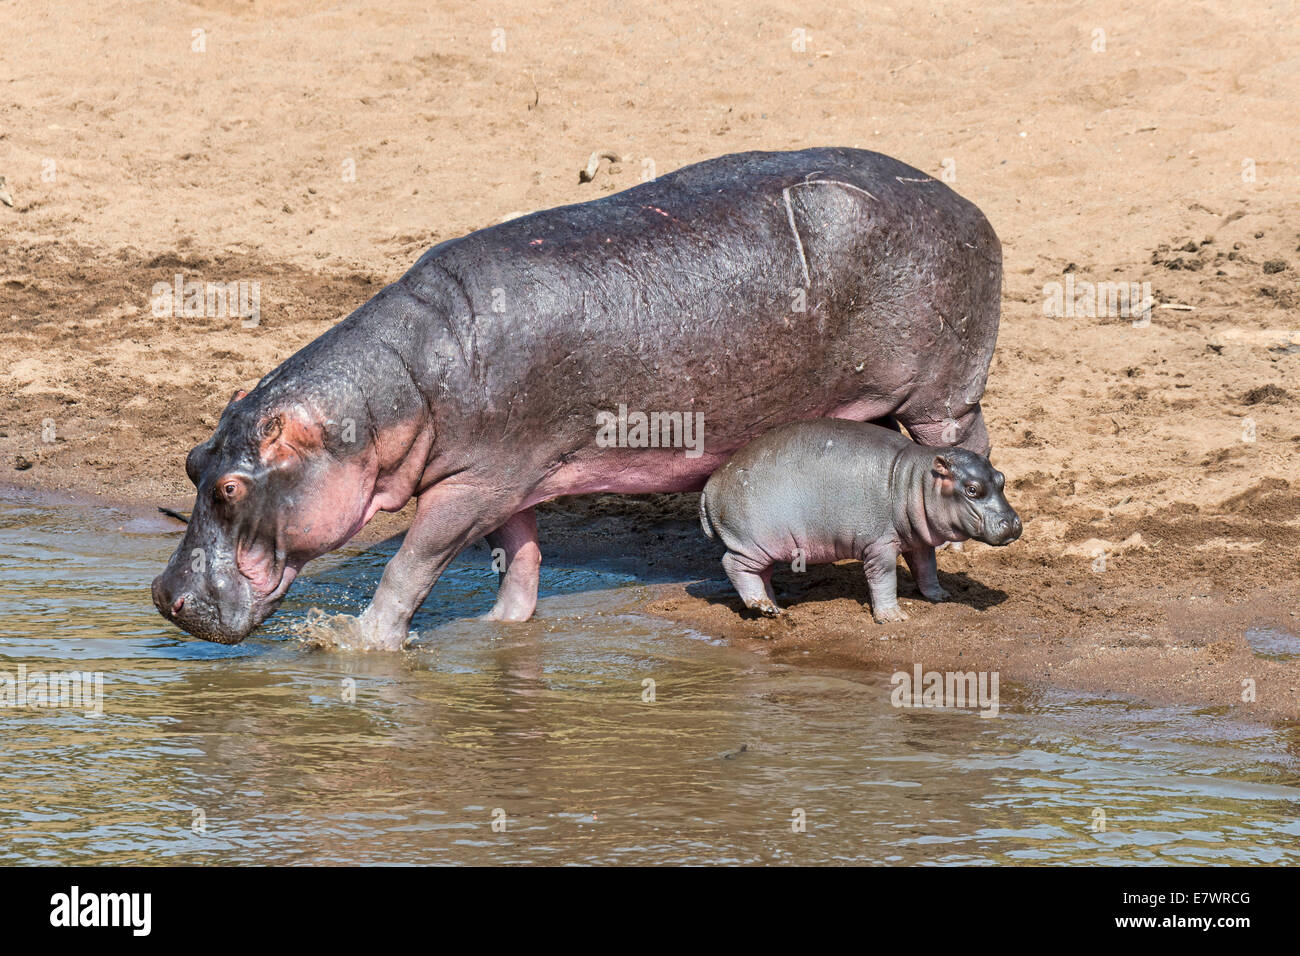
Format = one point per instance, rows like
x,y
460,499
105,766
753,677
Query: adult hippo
x,y
520,362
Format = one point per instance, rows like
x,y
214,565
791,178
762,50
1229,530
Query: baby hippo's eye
x,y
974,491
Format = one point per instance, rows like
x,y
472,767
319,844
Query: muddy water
x,y
255,754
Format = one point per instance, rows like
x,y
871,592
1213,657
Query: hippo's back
x,y
754,289
809,191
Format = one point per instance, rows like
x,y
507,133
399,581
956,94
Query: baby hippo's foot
x,y
889,615
935,593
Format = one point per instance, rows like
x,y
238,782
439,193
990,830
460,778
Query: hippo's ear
x,y
287,436
238,394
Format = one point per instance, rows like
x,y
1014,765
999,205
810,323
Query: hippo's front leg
x,y
447,518
517,591
925,572
881,566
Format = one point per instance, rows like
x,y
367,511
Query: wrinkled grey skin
x,y
831,490
753,289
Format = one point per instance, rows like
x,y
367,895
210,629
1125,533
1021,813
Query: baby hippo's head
x,y
970,498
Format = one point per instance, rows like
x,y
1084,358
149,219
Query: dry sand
x,y
1167,157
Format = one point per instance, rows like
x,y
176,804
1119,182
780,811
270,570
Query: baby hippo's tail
x,y
705,522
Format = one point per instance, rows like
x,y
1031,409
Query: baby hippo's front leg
x,y
925,572
881,565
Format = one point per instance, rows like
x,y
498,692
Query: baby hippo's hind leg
x,y
881,566
517,587
925,572
752,582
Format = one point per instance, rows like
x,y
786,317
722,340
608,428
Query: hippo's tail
x,y
705,522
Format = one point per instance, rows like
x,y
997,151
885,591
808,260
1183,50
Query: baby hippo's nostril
x,y
179,603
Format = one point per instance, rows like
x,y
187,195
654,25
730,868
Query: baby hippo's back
x,y
817,489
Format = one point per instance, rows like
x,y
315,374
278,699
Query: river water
x,y
543,743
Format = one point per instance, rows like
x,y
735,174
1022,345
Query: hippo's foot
x,y
889,615
376,635
512,610
769,608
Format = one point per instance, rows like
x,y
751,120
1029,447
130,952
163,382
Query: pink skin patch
x,y
257,563
336,512
661,212
342,502
629,471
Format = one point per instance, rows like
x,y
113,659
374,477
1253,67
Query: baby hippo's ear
x,y
943,467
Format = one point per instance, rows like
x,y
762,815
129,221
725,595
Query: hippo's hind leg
x,y
925,572
515,542
752,581
881,566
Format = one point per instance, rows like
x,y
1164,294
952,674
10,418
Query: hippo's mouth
x,y
220,622
278,592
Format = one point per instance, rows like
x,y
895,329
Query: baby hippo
x,y
831,489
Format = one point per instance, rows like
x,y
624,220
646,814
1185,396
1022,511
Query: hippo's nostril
x,y
179,603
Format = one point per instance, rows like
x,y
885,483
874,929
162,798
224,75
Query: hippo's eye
x,y
232,488
974,491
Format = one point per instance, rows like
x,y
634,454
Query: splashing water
x,y
321,630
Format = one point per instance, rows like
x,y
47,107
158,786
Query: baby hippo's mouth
x,y
1001,530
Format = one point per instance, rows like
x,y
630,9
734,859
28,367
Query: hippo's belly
x,y
630,472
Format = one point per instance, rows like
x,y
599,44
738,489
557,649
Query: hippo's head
x,y
970,499
275,490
